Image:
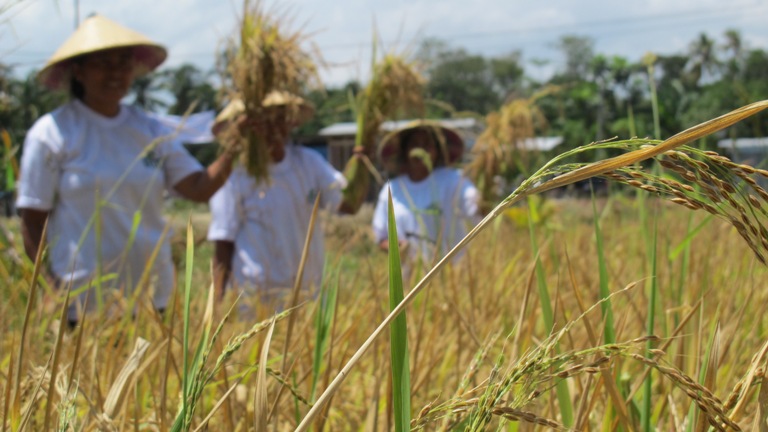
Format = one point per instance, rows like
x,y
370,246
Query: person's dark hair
x,y
408,135
76,89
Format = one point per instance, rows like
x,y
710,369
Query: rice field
x,y
472,332
635,311
476,330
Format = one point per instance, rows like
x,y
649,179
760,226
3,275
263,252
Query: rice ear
x,y
264,56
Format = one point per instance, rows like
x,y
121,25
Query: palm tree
x,y
189,85
734,47
145,90
703,58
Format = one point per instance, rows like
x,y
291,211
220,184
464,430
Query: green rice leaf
x,y
563,394
398,335
609,334
323,320
645,414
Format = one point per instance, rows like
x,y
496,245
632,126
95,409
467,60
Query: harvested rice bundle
x,y
395,89
266,56
499,150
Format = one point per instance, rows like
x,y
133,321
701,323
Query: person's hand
x,y
359,151
256,125
402,245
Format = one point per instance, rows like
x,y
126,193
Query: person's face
x,y
106,76
278,124
423,140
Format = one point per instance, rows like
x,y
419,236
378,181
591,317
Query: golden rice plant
x,y
395,89
556,173
266,55
499,149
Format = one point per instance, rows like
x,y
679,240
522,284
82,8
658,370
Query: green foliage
x,y
331,106
466,81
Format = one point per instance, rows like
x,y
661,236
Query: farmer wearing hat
x,y
432,202
259,227
94,166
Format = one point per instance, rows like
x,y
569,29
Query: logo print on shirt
x,y
312,195
151,160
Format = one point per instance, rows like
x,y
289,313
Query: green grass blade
x,y
645,415
609,333
563,394
692,233
708,373
398,335
546,302
323,320
186,385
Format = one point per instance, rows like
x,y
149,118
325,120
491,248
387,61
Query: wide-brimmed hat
x,y
95,34
449,142
274,99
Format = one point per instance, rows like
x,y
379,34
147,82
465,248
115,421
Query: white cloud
x,y
343,29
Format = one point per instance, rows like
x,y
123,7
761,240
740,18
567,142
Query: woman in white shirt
x,y
259,227
433,203
97,170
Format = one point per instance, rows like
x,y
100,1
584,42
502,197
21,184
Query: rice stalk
x,y
609,331
260,402
26,414
38,265
265,55
56,360
7,389
563,394
535,184
711,408
607,377
709,371
297,291
204,424
761,415
647,407
736,400
499,151
395,90
324,318
531,375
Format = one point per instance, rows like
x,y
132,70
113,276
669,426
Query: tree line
x,y
592,96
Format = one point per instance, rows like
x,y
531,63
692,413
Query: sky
x,y
342,29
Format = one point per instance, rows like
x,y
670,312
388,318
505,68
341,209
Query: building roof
x,y
350,128
541,143
743,143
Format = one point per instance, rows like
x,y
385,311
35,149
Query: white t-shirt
x,y
73,158
268,222
438,207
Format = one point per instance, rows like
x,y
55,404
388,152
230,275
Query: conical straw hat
x,y
275,98
449,142
97,34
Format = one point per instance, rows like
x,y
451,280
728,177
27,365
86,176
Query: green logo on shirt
x,y
151,160
312,195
